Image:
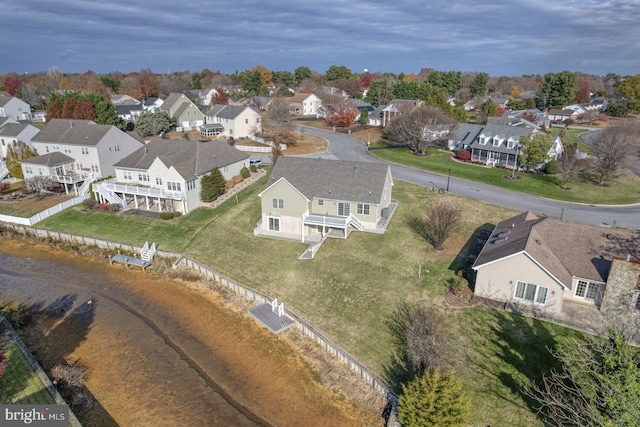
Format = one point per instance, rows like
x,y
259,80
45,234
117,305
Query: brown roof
x,y
188,158
564,249
67,131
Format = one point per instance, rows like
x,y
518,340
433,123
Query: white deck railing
x,y
140,190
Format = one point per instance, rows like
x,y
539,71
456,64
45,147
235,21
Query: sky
x,y
499,37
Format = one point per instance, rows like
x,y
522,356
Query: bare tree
x,y
38,184
278,127
440,218
611,150
337,110
570,167
420,128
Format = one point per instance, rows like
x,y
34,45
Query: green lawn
x,y
624,190
349,290
19,384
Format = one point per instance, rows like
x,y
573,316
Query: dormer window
x,y
511,144
483,141
496,142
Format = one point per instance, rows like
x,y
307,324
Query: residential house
x,y
152,104
180,108
14,108
306,199
304,104
232,121
165,174
496,145
396,107
477,103
238,100
554,267
375,116
260,103
129,112
13,131
583,108
85,151
558,116
122,99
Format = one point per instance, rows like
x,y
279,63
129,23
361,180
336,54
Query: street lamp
x,y
448,179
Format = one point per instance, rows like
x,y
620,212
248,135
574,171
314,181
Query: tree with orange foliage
x,y
54,110
266,77
84,110
68,107
220,98
11,83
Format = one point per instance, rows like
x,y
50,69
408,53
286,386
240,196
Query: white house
x,y
84,151
14,108
304,104
232,121
165,174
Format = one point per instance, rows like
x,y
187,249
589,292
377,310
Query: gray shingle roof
x,y
12,129
188,158
563,248
226,111
50,159
332,179
74,132
168,103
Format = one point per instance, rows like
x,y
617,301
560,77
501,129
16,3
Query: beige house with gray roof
x,y
90,151
233,121
552,266
180,108
165,174
306,199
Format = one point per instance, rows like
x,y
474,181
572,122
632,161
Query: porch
x,y
137,196
494,158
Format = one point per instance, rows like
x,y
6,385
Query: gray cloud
x,y
518,37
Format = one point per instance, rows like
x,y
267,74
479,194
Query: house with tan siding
x,y
306,199
551,266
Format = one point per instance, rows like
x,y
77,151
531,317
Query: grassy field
x,y
350,289
19,384
624,190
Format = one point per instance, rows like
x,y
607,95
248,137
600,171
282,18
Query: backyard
x,y
349,290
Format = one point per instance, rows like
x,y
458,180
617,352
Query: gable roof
x,y
188,158
299,97
75,132
332,179
13,129
226,111
5,98
565,249
170,101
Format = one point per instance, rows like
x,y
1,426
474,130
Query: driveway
x,y
346,147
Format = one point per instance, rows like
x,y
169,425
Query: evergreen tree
x,y
479,85
434,398
212,186
364,116
153,123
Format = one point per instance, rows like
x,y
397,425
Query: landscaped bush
x,y
177,214
166,215
90,204
114,207
552,167
104,206
237,179
71,376
253,168
245,173
464,155
228,185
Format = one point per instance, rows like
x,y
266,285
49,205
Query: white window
x,y
246,121
482,140
531,293
173,186
83,150
28,169
320,202
116,148
496,142
587,290
143,176
46,148
274,224
67,149
191,184
344,209
277,203
41,171
127,175
510,144
158,179
363,209
95,168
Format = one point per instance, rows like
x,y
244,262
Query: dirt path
x,y
161,353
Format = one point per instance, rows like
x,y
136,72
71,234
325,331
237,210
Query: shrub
x,y
90,204
228,185
114,207
245,173
104,206
253,168
166,215
177,214
70,376
237,179
552,167
464,155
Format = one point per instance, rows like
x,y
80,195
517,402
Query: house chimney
x,y
145,150
628,257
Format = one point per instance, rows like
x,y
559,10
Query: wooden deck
x,y
129,260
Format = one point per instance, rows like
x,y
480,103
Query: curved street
x,y
346,147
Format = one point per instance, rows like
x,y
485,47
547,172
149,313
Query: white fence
x,y
45,213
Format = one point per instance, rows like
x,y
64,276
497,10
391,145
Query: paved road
x,y
346,147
